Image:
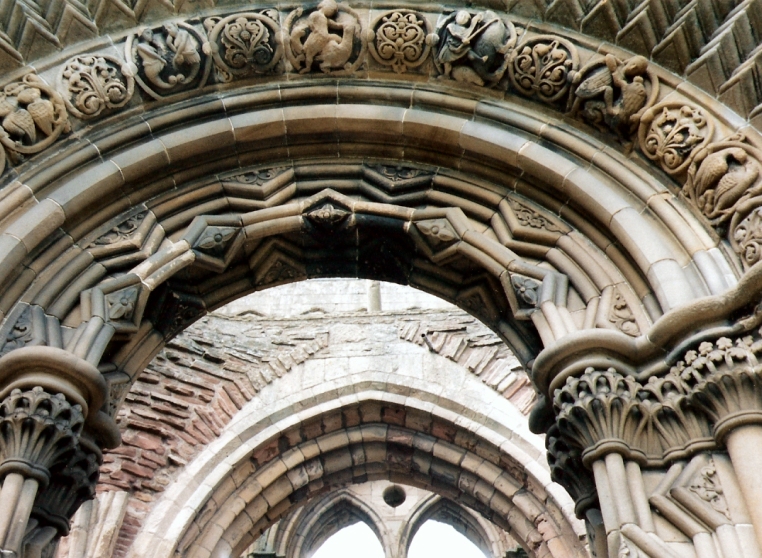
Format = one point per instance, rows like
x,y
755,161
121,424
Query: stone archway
x,y
596,212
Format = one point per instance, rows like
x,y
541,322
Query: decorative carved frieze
x,y
33,117
91,84
168,59
244,44
541,66
329,37
671,133
612,94
123,230
401,40
528,217
21,334
474,48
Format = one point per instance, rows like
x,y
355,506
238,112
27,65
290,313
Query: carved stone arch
x,y
315,523
602,215
392,437
482,533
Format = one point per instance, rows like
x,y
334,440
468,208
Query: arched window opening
x,y
443,541
350,542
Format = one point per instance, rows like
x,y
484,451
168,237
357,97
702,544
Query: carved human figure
x,y
331,50
183,45
473,48
457,44
613,95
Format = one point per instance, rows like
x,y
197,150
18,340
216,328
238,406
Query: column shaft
x,y
744,445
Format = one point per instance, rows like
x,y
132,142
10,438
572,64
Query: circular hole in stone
x,y
394,495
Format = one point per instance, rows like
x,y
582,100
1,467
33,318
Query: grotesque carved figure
x,y
612,94
316,38
168,59
474,48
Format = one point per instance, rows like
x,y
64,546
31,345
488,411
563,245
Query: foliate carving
x,y
70,485
528,217
215,240
398,173
723,177
602,411
746,237
33,116
621,315
244,44
21,334
707,487
122,231
91,84
121,304
257,177
400,39
526,289
168,59
541,67
281,271
38,431
328,216
566,469
671,133
474,48
612,94
724,380
437,232
329,36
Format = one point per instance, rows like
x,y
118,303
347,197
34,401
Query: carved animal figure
x,y
723,178
330,49
153,61
620,91
18,122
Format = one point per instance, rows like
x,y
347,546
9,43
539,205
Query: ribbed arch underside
x,y
534,227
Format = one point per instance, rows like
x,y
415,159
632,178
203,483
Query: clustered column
x,y
51,435
615,427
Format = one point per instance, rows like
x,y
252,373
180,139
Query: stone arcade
x,y
582,177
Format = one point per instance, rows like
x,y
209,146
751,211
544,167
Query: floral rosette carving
x,y
401,40
168,60
244,44
671,133
612,94
474,48
33,116
329,38
91,84
541,66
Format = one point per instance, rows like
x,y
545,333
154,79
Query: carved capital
x,y
38,432
566,469
724,378
650,423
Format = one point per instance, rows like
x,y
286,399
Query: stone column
x,y
51,435
726,378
